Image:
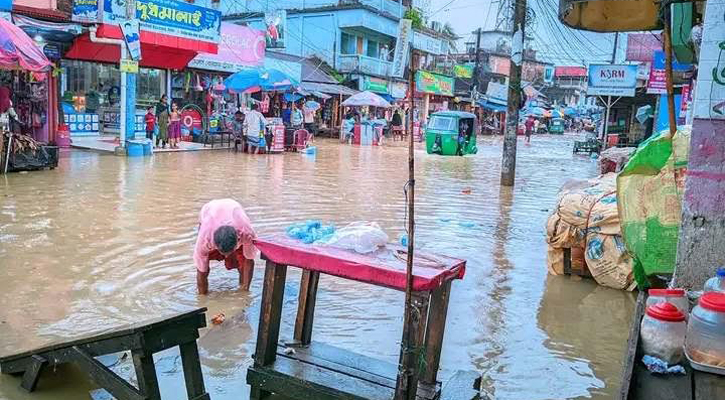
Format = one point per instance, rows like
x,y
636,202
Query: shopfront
x,y
437,91
172,33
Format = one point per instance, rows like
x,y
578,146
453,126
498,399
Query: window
x,y
442,123
372,49
347,45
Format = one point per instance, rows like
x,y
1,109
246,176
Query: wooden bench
x,y
638,383
142,339
302,369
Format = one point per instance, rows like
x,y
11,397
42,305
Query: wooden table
x,y
638,383
318,371
142,339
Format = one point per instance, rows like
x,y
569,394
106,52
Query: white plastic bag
x,y
363,237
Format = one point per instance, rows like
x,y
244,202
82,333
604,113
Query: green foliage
x,y
415,17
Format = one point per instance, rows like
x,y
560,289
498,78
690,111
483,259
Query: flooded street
x,y
103,241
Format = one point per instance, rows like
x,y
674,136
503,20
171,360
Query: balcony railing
x,y
363,64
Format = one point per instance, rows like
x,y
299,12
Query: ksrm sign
x,y
612,80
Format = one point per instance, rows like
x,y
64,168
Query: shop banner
x,y
168,17
240,47
276,23
426,82
612,80
86,11
463,71
399,90
129,66
401,48
657,83
132,37
497,93
375,85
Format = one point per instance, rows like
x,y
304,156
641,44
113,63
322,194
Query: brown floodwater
x,y
103,241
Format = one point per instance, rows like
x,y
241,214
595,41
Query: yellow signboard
x,y
129,66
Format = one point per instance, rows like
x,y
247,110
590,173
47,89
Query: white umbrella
x,y
366,98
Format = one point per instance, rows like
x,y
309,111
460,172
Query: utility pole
x,y
614,50
508,163
476,80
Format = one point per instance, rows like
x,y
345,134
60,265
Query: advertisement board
x,y
276,23
612,80
375,85
497,93
240,47
86,11
169,17
401,48
426,82
463,71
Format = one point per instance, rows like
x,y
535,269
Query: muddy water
x,y
103,241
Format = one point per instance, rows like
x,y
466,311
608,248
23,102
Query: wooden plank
x,y
113,333
463,385
306,306
296,380
434,331
173,334
148,384
406,386
708,386
104,377
632,344
192,371
270,313
32,374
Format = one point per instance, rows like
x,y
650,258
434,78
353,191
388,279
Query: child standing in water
x,y
174,127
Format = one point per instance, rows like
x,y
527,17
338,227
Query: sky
x,y
554,41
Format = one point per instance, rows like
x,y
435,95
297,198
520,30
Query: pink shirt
x,y
215,214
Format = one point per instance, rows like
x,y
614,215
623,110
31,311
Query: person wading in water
x,y
225,234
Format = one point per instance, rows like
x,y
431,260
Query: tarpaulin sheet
x,y
385,267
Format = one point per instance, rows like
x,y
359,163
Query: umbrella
x,y
19,51
312,105
535,112
571,112
556,114
366,98
254,80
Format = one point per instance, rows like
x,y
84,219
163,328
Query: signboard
x,y
129,66
497,93
426,82
657,83
401,48
85,11
709,101
169,17
240,47
276,23
375,85
399,90
549,73
427,43
463,71
612,80
52,51
82,124
132,37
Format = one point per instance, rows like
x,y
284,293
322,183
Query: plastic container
x,y
674,296
717,282
148,147
705,342
134,148
663,332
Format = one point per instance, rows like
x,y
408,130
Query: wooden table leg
x,y
306,307
406,386
270,313
148,384
192,371
434,332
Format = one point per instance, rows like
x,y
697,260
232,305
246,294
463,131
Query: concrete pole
x,y
701,247
508,163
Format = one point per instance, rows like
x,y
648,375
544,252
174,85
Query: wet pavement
x,y
103,241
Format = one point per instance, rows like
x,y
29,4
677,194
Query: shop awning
x,y
329,88
157,50
492,106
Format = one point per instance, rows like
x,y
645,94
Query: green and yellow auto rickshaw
x,y
451,133
556,126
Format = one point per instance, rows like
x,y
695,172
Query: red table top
x,y
385,267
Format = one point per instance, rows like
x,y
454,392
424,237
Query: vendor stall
x,y
367,130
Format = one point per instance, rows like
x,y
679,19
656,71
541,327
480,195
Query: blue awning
x,y
492,106
387,97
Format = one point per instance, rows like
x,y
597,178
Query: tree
x,y
451,37
415,17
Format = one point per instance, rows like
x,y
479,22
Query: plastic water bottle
x,y
717,282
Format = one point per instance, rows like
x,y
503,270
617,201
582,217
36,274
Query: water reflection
x,y
103,241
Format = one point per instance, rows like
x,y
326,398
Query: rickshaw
x,y
556,126
451,133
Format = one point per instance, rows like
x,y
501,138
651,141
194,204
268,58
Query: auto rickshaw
x,y
451,133
556,126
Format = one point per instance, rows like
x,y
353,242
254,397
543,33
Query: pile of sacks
x,y
586,221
